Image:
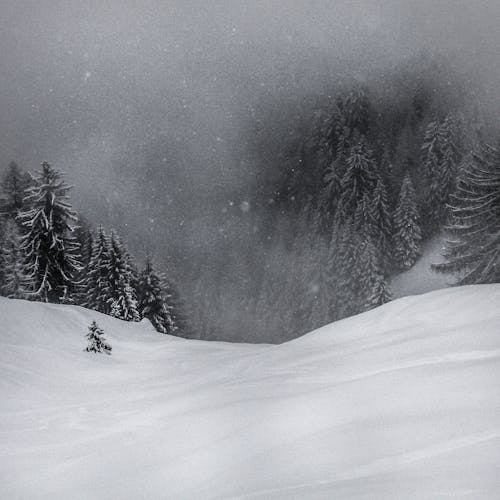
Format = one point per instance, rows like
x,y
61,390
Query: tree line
x,y
363,183
49,254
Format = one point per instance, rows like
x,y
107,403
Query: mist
x,y
154,109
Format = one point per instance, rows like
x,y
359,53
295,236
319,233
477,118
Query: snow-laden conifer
x,y
96,341
374,290
407,235
153,300
360,178
11,262
381,227
122,298
473,246
12,191
440,157
50,250
95,285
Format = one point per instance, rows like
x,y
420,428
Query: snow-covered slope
x,y
402,402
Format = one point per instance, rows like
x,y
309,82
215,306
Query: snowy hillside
x,y
402,402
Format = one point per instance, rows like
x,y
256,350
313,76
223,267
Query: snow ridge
x,y
402,401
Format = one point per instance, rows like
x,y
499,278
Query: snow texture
x,y
401,402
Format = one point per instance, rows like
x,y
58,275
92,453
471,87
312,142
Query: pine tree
x,y
473,247
407,234
13,276
122,297
153,300
95,285
51,258
96,341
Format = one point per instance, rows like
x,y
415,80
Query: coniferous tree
x,y
177,308
51,259
450,158
122,298
440,159
381,227
153,300
407,234
350,269
11,262
85,240
473,248
357,111
374,288
95,285
12,191
360,177
96,341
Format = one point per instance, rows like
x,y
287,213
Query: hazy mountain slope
x,y
399,402
421,278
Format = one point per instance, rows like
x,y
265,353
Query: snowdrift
x,y
402,402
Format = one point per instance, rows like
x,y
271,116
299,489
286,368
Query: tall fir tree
x,y
13,278
472,250
440,156
95,285
51,252
374,288
153,300
381,227
12,191
360,177
350,269
122,298
407,234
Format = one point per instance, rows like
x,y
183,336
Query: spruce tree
x,y
450,158
51,259
12,191
407,235
350,269
381,227
360,178
472,250
11,262
153,300
440,160
96,341
95,285
122,297
374,288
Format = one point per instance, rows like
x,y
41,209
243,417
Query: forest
x,y
350,183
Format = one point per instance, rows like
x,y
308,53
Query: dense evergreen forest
x,y
350,183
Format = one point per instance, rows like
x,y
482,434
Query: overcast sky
x,y
88,85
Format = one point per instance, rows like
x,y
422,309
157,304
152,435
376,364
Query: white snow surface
x,y
402,402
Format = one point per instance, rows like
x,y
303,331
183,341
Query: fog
x,y
149,106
